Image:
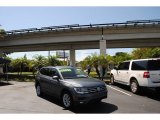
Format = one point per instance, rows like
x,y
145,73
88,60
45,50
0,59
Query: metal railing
x,y
133,23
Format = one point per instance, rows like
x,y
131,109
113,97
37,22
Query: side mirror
x,y
55,77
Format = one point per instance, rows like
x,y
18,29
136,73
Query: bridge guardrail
x,y
133,23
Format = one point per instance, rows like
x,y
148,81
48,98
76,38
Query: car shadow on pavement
x,y
52,100
150,93
4,83
145,92
127,88
101,107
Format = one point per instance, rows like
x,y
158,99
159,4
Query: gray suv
x,y
69,85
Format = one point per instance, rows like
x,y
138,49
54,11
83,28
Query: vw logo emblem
x,y
98,88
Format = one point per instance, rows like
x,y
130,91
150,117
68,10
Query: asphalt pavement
x,y
20,97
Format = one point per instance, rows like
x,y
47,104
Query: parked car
x,y
63,83
138,73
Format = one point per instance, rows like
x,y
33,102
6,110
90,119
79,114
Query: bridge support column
x,y
72,57
102,44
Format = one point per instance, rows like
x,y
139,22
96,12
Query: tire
x,y
134,86
38,90
67,100
112,80
97,101
158,90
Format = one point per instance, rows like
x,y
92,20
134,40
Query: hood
x,y
84,82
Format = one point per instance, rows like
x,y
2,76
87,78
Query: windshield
x,y
81,73
69,73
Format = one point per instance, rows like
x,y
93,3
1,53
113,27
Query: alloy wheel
x,y
134,87
38,90
66,100
112,79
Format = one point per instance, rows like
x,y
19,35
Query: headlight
x,y
81,90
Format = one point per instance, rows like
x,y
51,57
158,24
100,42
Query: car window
x,y
124,66
120,66
153,65
139,65
44,71
53,72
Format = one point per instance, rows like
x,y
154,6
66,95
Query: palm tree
x,y
4,54
31,66
20,64
103,62
95,63
15,65
2,33
111,62
85,62
53,61
39,61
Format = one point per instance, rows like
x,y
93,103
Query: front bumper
x,y
90,97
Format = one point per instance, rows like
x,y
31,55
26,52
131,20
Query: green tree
x,y
2,33
120,57
53,61
95,63
154,52
110,60
15,64
141,53
85,62
39,61
20,64
103,62
32,67
4,54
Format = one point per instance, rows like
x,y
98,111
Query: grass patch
x,y
94,74
23,73
23,80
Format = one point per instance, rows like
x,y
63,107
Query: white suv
x,y
138,73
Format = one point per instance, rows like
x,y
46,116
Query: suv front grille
x,y
96,89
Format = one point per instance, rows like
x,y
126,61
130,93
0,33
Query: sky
x,y
13,18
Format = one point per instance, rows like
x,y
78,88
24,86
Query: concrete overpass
x,y
130,34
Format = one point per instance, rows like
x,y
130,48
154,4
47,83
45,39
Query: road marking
x,y
119,90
